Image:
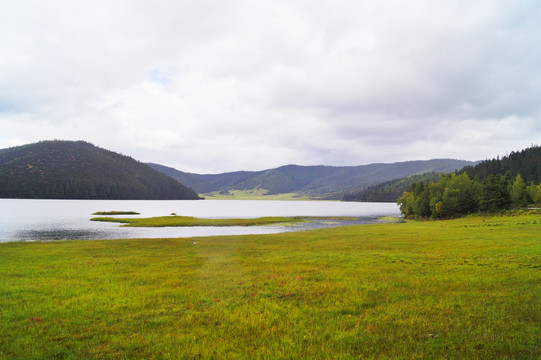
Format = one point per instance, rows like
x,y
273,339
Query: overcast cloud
x,y
212,86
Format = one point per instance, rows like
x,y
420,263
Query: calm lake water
x,y
37,220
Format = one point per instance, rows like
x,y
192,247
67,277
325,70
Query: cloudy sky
x,y
216,85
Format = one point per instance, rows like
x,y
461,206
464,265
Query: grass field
x,y
459,289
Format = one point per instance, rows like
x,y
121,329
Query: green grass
x,y
175,220
458,289
116,213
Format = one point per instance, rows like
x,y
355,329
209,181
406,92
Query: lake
x,y
39,220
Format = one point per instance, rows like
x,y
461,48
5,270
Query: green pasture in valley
x,y
254,194
459,289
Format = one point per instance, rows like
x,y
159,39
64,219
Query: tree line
x,y
527,163
456,195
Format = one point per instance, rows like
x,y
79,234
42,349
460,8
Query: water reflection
x,y
59,234
117,232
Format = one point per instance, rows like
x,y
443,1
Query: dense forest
x,y
527,163
79,170
491,186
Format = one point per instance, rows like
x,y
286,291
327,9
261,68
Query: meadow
x,y
468,288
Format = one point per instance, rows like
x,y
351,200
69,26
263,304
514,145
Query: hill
x,y
527,163
390,191
80,170
314,181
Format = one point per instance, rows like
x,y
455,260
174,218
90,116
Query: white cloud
x,y
212,86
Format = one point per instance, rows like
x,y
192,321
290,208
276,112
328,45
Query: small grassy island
x,y
116,213
175,220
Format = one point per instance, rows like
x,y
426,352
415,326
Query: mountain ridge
x,y
315,181
526,163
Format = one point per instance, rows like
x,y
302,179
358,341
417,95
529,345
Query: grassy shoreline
x,y
466,289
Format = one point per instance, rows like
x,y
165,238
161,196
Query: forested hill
x,y
390,191
527,163
316,181
493,185
80,170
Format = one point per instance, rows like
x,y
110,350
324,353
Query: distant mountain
x,y
79,170
315,181
205,183
193,181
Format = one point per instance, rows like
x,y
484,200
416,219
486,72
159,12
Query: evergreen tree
x,y
421,204
494,194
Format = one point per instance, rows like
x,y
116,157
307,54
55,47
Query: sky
x,y
211,86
